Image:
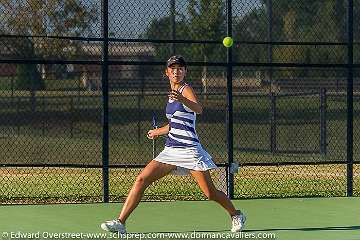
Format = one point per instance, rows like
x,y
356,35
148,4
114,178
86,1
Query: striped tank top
x,y
182,119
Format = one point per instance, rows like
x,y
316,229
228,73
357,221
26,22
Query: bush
x,y
28,78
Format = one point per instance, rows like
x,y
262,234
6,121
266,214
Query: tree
x,y
297,21
152,32
357,33
251,27
28,78
206,22
203,20
42,18
304,21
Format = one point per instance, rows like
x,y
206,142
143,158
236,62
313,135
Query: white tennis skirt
x,y
186,159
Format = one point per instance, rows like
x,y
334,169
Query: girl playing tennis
x,y
182,151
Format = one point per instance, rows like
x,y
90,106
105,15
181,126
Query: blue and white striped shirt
x,y
182,119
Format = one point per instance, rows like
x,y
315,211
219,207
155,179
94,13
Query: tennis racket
x,y
155,126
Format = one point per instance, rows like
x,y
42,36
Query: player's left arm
x,y
188,98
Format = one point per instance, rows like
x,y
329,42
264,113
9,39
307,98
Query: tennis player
x,y
182,152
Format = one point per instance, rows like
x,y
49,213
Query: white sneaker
x,y
238,222
113,226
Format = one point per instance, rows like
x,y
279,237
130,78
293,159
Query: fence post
x,y
43,111
273,144
139,118
270,47
173,26
105,96
12,87
349,100
72,118
229,115
323,142
18,114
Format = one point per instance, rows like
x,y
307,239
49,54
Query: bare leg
x,y
206,184
152,172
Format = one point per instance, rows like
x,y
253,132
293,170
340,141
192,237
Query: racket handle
x,y
154,145
153,149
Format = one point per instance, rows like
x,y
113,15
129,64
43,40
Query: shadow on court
x,y
342,228
198,231
335,228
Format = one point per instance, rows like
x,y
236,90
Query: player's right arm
x,y
153,133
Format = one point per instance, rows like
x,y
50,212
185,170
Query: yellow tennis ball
x,y
228,42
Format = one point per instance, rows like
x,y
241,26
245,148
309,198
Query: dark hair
x,y
176,59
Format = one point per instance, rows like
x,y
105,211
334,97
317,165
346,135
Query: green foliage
x,y
251,27
45,18
297,21
294,21
163,52
28,78
204,20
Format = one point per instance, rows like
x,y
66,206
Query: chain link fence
x,y
81,81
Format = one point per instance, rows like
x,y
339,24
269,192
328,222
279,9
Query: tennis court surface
x,y
294,218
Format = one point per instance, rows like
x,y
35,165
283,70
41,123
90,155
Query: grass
x,y
26,185
9,83
67,129
6,83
